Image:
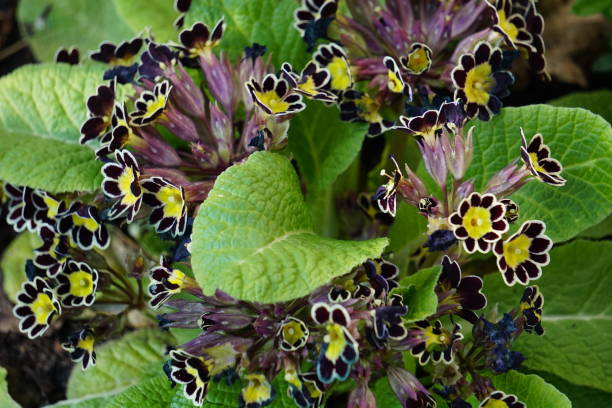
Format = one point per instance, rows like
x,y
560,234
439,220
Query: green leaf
x,y
579,139
253,237
531,389
419,293
154,392
577,315
598,102
385,397
13,262
267,22
84,24
120,364
159,15
323,145
43,107
603,229
580,396
588,7
6,401
408,228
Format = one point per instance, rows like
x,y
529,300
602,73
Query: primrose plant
x,y
198,225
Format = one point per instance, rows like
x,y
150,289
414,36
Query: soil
x,y
38,370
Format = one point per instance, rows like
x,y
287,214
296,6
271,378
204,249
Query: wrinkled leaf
x,y
531,389
577,315
253,237
84,24
598,102
120,364
267,22
154,392
580,396
581,140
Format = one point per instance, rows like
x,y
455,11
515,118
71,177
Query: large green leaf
x,y
419,293
5,399
581,140
12,263
581,397
531,389
153,392
43,107
120,364
577,315
158,15
599,102
267,22
84,24
253,237
323,145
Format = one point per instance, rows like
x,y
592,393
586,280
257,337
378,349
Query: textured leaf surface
x,y
84,24
267,22
13,262
120,364
43,107
599,102
418,292
580,396
323,145
154,392
158,15
577,314
384,394
581,140
531,389
5,399
253,236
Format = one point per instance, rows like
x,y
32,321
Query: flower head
x,y
433,342
193,372
418,59
36,307
536,156
274,96
151,104
457,294
480,81
121,181
82,223
122,54
333,58
305,389
199,40
499,399
395,81
313,17
52,256
70,56
165,282
520,258
512,210
77,284
357,106
122,133
80,345
387,323
479,222
293,334
386,195
168,202
531,306
311,82
380,279
339,350
100,108
257,393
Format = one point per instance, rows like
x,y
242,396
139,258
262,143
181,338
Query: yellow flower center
x,y
86,344
308,86
477,222
340,73
336,340
89,223
172,199
42,307
177,277
292,332
418,61
478,84
431,338
272,101
81,283
493,403
534,162
516,250
257,390
155,105
52,206
369,109
510,29
395,84
125,185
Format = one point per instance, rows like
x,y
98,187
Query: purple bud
x,y
220,80
435,161
179,124
156,150
464,190
507,180
407,388
361,397
221,127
